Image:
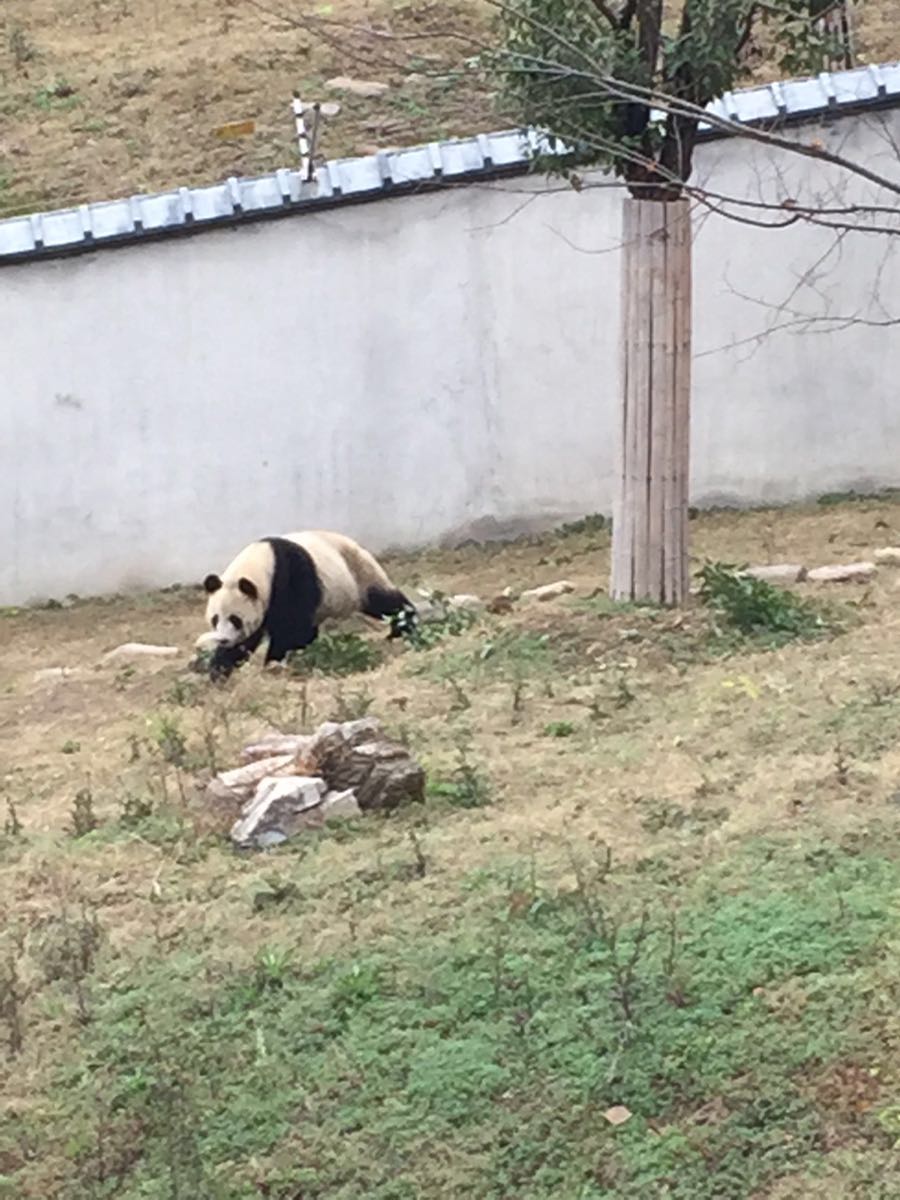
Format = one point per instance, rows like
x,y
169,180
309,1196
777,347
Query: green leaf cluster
x,y
621,84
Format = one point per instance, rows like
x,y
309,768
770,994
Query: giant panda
x,y
284,587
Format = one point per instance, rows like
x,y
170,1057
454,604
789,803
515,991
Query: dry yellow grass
x,y
102,98
152,80
751,732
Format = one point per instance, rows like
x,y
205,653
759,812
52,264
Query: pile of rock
x,y
292,782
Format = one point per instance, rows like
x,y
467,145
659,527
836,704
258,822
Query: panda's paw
x,y
224,660
402,624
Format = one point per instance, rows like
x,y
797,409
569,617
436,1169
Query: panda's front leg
x,y
226,659
279,648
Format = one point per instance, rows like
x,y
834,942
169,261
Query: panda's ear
x,y
249,588
212,583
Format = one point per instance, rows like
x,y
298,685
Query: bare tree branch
x,y
631,92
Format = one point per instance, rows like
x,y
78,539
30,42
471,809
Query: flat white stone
x,y
842,572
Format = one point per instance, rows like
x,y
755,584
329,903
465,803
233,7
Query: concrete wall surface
x,y
420,370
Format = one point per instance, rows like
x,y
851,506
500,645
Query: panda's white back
x,y
331,553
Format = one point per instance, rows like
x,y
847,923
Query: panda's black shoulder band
x,y
296,594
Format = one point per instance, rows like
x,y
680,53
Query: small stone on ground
x,y
366,88
466,602
549,591
133,651
778,572
842,572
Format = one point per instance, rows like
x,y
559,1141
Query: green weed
x,y
135,810
275,893
662,814
60,94
13,995
864,725
83,818
591,524
336,654
272,968
446,621
21,48
754,607
12,826
168,738
123,677
559,729
184,693
603,605
466,786
351,706
835,499
507,655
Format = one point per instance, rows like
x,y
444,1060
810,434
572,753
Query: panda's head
x,y
234,609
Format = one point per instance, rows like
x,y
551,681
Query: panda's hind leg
x,y
391,603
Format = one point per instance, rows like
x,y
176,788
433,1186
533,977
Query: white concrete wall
x,y
411,371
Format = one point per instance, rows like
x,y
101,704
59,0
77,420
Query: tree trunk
x,y
650,505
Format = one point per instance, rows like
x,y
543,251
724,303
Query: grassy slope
x,y
100,98
151,81
445,1003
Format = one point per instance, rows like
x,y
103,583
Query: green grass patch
x,y
865,725
467,785
602,605
498,655
593,523
59,94
479,1060
445,621
755,608
336,654
837,499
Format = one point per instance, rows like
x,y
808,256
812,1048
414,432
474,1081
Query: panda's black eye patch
x,y
236,622
215,621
